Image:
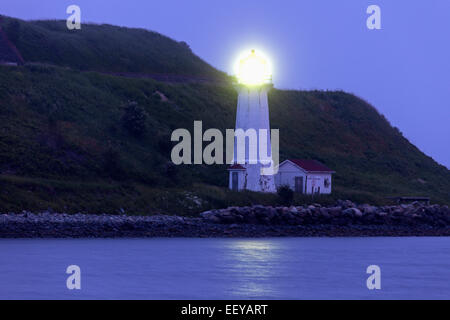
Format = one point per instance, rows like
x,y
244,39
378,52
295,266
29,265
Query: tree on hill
x,y
135,119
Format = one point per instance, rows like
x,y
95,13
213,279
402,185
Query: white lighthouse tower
x,y
254,81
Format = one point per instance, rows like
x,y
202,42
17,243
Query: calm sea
x,y
182,268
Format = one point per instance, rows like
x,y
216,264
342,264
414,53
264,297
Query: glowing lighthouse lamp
x,y
254,80
253,69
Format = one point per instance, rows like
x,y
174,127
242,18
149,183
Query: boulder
x,y
353,212
334,211
345,203
324,213
293,210
368,209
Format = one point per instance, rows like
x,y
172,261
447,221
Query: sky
x,y
403,69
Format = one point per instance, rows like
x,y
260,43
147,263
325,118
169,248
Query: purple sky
x,y
403,69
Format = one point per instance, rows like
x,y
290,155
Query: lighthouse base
x,y
249,177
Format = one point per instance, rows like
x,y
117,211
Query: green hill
x,y
105,48
79,140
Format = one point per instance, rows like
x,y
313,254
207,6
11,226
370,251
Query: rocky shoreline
x,y
343,219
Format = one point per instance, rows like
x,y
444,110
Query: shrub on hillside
x,y
286,195
135,119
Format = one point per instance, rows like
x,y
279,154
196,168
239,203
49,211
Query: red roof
x,y
311,165
236,167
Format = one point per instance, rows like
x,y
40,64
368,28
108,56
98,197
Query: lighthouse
x,y
252,152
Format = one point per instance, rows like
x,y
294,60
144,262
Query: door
x,y
299,184
234,181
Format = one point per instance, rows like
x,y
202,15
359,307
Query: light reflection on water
x,y
271,268
254,262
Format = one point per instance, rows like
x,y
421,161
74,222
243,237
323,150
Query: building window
x,y
326,183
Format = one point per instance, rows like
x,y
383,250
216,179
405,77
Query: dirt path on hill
x,y
170,78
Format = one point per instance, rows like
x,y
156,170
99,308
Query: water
x,y
271,268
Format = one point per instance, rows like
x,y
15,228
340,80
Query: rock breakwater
x,y
343,219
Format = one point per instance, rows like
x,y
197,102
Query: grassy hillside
x,y
105,48
84,141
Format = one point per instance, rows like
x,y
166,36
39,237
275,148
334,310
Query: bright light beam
x,y
254,69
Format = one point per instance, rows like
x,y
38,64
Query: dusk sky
x,y
402,69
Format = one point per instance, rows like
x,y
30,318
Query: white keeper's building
x,y
304,176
